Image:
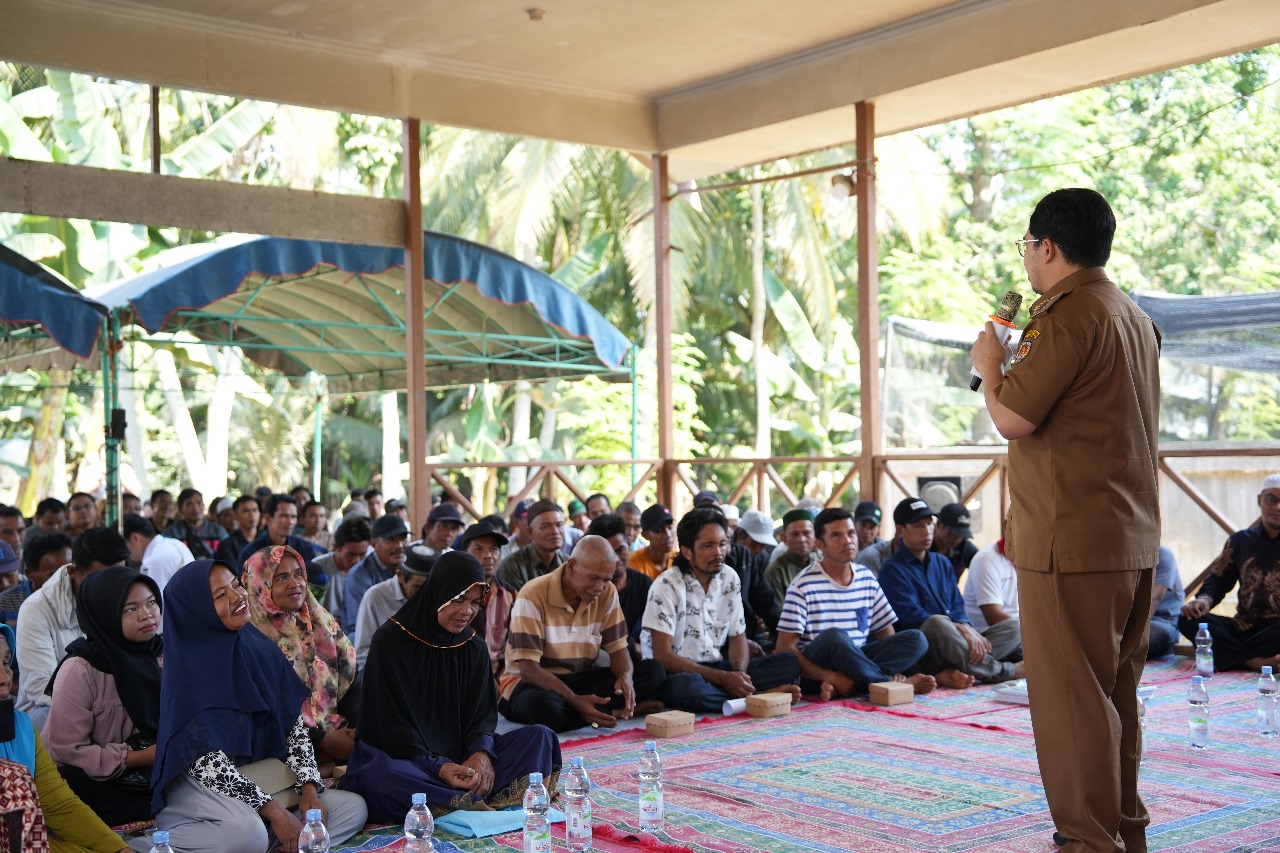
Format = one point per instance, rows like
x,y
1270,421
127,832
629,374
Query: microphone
x,y
1008,308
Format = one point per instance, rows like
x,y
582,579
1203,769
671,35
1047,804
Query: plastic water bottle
x,y
1204,652
650,788
314,838
1267,703
418,826
160,841
577,792
1198,713
537,829
1142,729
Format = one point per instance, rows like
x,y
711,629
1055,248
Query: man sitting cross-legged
x,y
694,609
560,623
838,622
921,586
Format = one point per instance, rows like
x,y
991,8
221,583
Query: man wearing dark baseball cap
x,y
922,589
953,538
797,535
866,523
385,598
390,537
656,526
484,541
545,521
444,523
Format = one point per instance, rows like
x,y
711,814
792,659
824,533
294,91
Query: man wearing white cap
x,y
1251,558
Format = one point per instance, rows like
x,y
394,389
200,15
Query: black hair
x,y
627,506
10,512
242,500
100,545
310,504
692,522
81,495
157,493
602,497
42,544
273,503
355,529
607,525
187,494
357,494
134,523
827,516
369,493
48,506
1079,222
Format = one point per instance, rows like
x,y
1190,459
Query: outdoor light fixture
x,y
843,186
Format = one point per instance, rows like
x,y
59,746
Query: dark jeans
x,y
1232,646
534,705
115,804
1164,635
878,660
692,692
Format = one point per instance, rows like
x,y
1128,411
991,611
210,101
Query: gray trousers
x,y
200,821
947,647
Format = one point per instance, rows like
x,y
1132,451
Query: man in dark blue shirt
x,y
282,518
921,587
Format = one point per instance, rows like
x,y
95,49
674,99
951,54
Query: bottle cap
x,y
1204,626
535,778
419,799
160,836
1196,679
314,815
576,761
650,745
1266,670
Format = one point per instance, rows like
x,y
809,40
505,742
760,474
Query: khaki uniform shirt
x,y
1087,373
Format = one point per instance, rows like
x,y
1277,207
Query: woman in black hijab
x,y
429,708
106,696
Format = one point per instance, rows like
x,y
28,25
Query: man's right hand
x,y
586,708
284,824
736,684
1195,608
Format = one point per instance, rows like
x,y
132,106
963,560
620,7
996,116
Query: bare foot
x,y
920,682
1256,664
648,706
954,679
786,688
1019,670
828,690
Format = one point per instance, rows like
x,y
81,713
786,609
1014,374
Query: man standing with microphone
x,y
1080,405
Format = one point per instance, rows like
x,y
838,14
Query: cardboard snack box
x,y
669,724
769,704
892,693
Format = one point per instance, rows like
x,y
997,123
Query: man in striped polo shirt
x,y
837,621
560,623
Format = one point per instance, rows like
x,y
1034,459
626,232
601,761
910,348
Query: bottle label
x,y
578,819
537,842
1199,728
651,806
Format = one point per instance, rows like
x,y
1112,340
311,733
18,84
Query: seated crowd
x,y
173,669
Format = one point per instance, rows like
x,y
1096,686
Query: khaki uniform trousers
x,y
1084,635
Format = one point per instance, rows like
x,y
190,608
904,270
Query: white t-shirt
x,y
992,580
699,623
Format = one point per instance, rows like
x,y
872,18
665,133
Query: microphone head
x,y
1010,304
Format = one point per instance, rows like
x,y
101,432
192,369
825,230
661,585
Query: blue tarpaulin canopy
x,y
338,309
45,322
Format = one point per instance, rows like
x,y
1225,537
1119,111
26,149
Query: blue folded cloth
x,y
485,824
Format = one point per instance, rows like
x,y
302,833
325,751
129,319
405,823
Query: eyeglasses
x,y
1270,499
1022,245
460,600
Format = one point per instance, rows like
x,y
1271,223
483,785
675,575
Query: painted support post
x,y
665,326
868,307
415,345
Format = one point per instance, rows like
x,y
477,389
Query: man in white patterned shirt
x,y
694,613
837,620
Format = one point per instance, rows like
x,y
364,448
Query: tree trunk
x,y
218,428
392,486
764,443
521,415
180,417
134,435
46,443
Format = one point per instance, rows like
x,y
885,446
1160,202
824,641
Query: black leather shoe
x,y
1061,840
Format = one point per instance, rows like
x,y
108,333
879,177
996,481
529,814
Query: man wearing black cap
x,y
866,521
484,542
385,598
656,526
542,555
444,523
797,535
922,589
390,536
952,537
519,534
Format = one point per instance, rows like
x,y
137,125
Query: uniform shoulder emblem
x,y
1043,305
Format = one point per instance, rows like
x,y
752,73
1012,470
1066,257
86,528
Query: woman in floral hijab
x,y
283,608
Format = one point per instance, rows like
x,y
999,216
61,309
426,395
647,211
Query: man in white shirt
x,y
158,557
991,593
384,599
47,621
695,611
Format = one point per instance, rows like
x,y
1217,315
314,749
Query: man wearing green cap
x,y
797,535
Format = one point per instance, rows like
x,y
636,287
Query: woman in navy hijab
x,y
229,698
